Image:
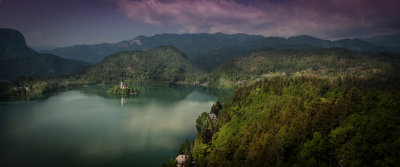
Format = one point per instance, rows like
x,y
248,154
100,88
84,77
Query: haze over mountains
x,y
389,41
202,46
17,59
190,44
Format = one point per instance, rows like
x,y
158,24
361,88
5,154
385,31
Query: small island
x,y
122,89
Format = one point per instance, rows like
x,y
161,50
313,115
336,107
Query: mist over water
x,y
90,128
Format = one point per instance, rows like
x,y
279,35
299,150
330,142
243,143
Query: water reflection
x,y
77,128
122,101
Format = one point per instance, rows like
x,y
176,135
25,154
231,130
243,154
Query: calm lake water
x,y
87,127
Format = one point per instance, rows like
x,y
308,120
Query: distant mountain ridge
x,y
213,59
203,47
40,48
390,41
17,59
207,51
190,44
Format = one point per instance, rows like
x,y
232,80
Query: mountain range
x,y
203,47
190,44
217,59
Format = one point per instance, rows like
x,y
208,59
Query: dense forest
x,y
301,121
322,63
161,64
123,91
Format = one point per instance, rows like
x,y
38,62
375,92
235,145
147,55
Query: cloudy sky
x,y
69,22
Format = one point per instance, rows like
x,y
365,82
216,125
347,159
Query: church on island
x,y
122,85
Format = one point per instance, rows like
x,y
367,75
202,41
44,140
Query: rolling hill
x,y
162,64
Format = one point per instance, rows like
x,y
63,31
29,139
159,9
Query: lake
x,y
87,127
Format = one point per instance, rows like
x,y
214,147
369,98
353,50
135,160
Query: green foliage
x,y
304,121
323,63
316,151
35,85
171,163
216,107
160,64
167,64
213,59
206,136
201,122
126,91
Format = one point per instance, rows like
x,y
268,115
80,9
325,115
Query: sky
x,y
71,22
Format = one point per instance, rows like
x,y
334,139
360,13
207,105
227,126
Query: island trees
x,y
122,89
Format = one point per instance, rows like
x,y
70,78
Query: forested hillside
x,y
162,64
302,121
324,63
214,58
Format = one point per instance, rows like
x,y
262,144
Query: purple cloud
x,y
329,19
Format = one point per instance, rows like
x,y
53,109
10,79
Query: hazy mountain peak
x,y
389,41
